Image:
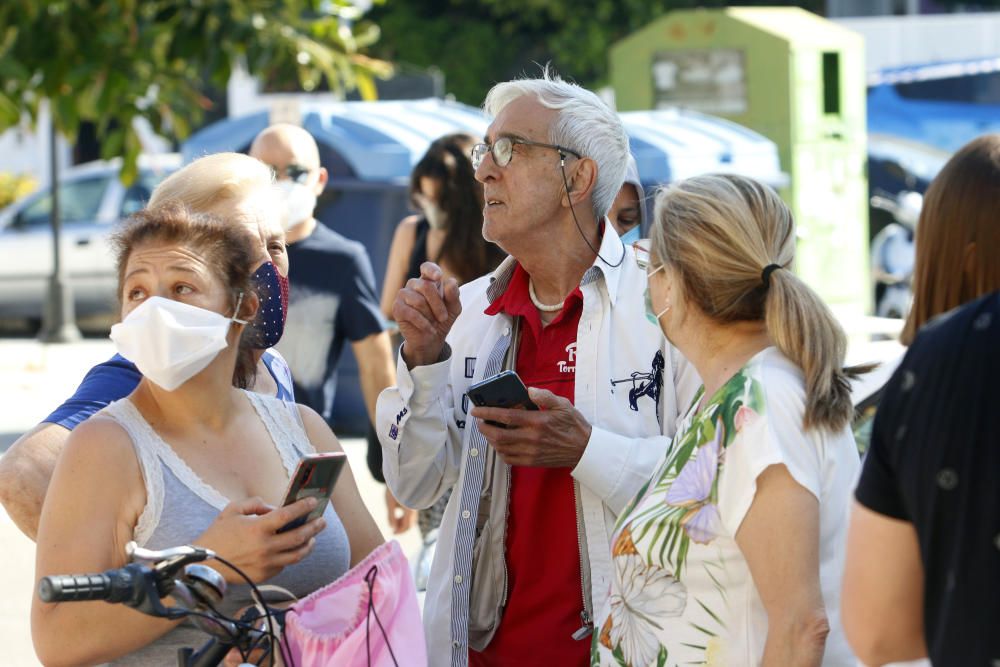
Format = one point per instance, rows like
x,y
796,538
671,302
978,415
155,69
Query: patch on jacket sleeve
x,y
393,431
460,423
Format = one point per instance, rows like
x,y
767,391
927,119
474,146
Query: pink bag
x,y
368,617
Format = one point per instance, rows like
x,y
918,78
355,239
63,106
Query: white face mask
x,y
436,216
169,341
300,202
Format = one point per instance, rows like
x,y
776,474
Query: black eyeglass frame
x,y
480,150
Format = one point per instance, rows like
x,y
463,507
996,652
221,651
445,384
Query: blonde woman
x,y
240,191
732,552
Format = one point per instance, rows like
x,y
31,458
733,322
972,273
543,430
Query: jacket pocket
x,y
486,592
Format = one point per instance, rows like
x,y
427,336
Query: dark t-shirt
x,y
332,299
118,377
935,462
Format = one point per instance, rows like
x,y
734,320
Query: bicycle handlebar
x,y
142,585
116,585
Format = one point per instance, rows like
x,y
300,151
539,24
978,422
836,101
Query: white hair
x,y
584,123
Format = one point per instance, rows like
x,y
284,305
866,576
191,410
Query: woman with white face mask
x,y
447,230
187,457
240,191
732,553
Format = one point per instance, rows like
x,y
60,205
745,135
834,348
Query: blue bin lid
x,y
382,141
673,144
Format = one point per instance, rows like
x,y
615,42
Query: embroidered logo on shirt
x,y
569,366
402,413
393,431
644,384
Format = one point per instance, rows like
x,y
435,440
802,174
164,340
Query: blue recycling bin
x,y
369,149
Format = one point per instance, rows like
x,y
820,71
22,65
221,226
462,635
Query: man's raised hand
x,y
425,310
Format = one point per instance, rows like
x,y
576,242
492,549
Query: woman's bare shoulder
x,y
100,437
407,226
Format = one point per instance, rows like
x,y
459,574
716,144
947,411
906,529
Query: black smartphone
x,y
315,476
504,390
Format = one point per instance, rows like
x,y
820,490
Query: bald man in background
x,y
332,295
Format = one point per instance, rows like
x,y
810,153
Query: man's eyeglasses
x,y
503,150
293,172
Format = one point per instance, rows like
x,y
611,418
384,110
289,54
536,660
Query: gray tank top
x,y
180,506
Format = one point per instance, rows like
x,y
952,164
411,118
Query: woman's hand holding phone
x,y
246,534
262,540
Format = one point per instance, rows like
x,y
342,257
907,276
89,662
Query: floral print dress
x,y
682,593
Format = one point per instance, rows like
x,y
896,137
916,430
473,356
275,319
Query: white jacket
x,y
427,436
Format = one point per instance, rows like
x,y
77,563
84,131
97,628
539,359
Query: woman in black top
x,y
923,554
448,230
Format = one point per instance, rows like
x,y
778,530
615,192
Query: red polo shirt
x,y
544,593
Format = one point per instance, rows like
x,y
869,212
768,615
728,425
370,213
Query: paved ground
x,y
35,379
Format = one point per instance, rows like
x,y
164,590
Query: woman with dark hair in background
x,y
448,230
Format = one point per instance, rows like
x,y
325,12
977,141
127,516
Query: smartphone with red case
x,y
315,476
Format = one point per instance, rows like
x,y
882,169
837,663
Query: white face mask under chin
x,y
436,216
169,341
300,203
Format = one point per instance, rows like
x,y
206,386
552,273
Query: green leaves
x,y
111,61
479,42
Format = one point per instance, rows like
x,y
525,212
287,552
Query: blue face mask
x,y
632,235
272,288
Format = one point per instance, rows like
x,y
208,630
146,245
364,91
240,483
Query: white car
x,y
92,201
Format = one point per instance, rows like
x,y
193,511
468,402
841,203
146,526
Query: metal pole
x,y
59,320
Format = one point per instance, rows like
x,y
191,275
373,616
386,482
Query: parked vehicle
x,y
92,201
893,254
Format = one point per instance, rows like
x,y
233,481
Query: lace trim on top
x,y
289,440
124,413
288,435
182,471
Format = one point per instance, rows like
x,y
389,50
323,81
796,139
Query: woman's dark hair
x,y
228,250
958,234
464,250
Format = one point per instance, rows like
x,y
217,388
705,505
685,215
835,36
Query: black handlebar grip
x,y
66,587
112,586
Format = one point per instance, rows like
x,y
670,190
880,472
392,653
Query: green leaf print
x,y
711,613
679,505
717,420
619,656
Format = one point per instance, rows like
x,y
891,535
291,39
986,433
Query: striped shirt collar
x,y
612,249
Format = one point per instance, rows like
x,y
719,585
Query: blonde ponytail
x,y
804,330
719,233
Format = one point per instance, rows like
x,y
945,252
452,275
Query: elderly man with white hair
x,y
524,555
